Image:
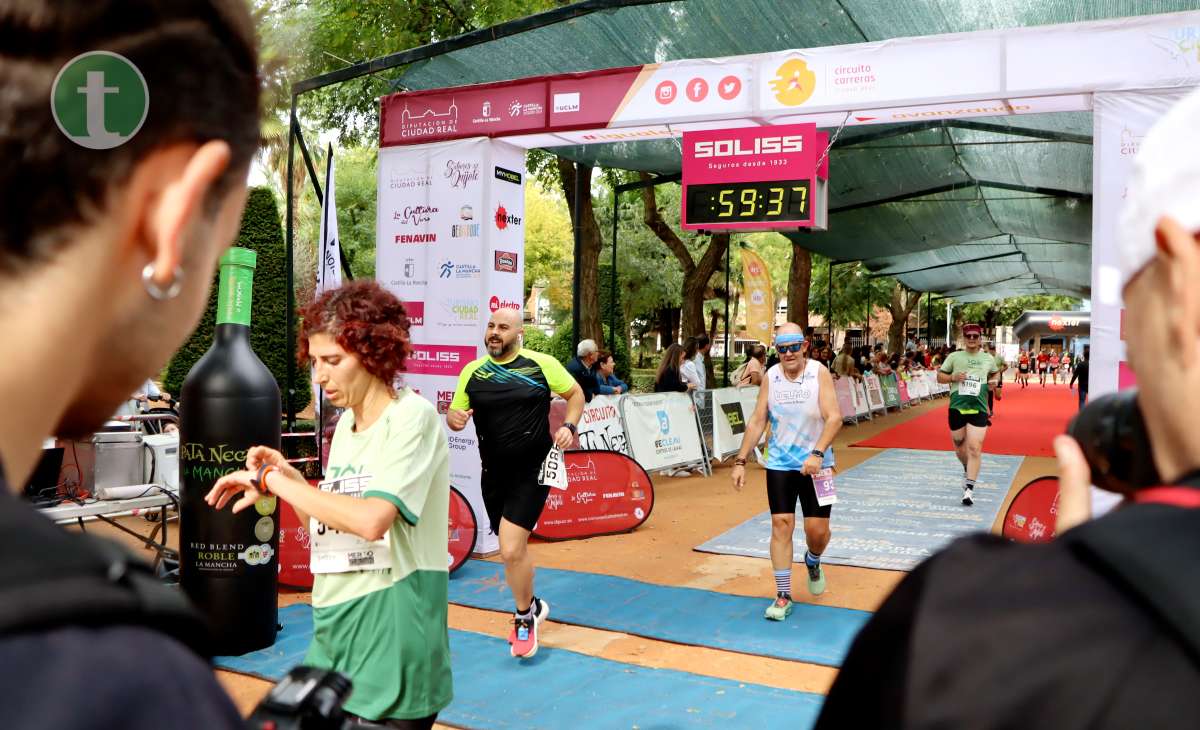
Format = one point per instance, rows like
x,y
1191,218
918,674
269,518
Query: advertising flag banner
x,y
760,299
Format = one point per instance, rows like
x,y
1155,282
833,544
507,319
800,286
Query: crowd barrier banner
x,y
891,393
732,408
874,393
845,398
902,386
600,428
862,408
662,430
607,493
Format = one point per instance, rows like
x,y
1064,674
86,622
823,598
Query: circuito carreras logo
x,y
794,82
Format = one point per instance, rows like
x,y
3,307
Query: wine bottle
x,y
229,402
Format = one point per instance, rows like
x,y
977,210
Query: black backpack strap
x,y
50,577
1152,552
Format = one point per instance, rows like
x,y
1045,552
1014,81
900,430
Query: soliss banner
x,y
607,493
662,430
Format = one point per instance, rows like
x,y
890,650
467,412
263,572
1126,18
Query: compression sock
x,y
968,483
783,582
811,560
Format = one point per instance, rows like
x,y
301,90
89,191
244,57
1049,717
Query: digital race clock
x,y
776,200
754,178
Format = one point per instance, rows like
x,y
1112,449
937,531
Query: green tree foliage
x,y
548,247
1004,312
261,232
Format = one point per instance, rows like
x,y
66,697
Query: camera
x,y
1112,433
307,699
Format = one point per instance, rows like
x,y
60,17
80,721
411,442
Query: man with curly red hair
x,y
508,392
378,522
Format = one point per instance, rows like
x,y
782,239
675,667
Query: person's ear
x,y
168,190
1178,257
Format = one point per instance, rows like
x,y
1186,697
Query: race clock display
x,y
774,201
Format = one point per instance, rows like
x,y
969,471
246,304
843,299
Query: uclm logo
x,y
496,304
416,313
760,146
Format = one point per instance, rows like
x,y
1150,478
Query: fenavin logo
x,y
99,100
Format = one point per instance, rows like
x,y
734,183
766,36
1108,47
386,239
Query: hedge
x,y
261,232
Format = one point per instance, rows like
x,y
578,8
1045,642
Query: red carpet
x,y
1025,423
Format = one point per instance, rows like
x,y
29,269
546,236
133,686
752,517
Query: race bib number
x,y
970,386
823,484
554,472
334,551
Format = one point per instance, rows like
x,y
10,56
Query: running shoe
x,y
524,637
816,579
779,609
968,496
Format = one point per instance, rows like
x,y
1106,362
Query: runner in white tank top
x,y
797,397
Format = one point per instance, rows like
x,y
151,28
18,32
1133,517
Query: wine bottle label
x,y
235,294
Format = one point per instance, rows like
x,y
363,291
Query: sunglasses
x,y
789,348
971,337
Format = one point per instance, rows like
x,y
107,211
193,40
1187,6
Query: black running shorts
x,y
511,491
785,487
959,419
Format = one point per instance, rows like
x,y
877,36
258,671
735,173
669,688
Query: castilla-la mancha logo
x,y
99,100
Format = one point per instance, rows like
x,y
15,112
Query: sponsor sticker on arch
x,y
753,178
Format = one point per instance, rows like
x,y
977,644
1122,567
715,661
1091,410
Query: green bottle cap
x,y
240,257
236,286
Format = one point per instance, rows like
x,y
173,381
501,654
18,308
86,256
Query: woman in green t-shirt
x,y
378,521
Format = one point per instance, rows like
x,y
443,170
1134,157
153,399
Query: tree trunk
x,y
902,304
666,328
799,282
588,276
695,274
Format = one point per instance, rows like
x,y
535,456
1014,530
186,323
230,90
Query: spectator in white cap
x,y
1101,627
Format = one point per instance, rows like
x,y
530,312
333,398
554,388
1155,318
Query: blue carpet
x,y
894,510
561,689
815,634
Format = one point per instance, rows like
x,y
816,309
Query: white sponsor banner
x,y
440,222
1121,121
732,409
1126,53
861,406
712,88
874,393
662,430
600,427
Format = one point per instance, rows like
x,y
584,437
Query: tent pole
x,y
289,384
575,298
726,375
947,323
830,322
612,285
867,329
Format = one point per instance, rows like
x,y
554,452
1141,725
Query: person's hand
x,y
1074,484
959,377
691,386
228,486
458,419
617,390
738,475
259,455
812,465
563,438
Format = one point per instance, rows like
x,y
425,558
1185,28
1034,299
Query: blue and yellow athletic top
x,y
511,401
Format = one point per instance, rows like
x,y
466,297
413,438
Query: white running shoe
x,y
968,496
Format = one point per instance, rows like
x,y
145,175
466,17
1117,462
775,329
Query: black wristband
x,y
574,429
818,453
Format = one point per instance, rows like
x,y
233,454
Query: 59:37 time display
x,y
770,201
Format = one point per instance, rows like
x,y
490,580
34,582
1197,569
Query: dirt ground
x,y
687,512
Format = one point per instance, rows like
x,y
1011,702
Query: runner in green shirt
x,y
969,373
378,521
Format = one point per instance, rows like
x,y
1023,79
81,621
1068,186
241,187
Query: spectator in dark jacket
x,y
669,379
583,367
1081,374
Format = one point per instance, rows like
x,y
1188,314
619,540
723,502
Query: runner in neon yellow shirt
x,y
969,372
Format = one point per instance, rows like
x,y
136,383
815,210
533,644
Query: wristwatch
x,y
260,479
574,429
817,453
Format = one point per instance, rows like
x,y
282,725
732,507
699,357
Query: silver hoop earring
x,y
155,291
